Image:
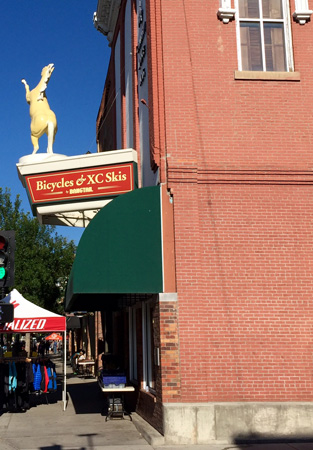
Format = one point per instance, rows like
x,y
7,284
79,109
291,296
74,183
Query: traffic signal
x,y
6,312
7,248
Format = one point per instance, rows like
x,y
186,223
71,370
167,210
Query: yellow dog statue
x,y
43,120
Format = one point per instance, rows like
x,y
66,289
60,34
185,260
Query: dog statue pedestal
x,y
40,157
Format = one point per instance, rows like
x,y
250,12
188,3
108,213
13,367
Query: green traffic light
x,y
7,247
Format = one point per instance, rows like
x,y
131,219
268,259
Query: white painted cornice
x,y
302,13
105,17
225,11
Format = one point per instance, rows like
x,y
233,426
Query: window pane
x,y
272,9
274,47
251,46
249,8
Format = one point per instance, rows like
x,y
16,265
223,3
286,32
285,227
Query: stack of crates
x,y
113,380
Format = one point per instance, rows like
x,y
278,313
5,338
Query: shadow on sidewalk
x,y
262,441
55,447
85,395
58,447
86,398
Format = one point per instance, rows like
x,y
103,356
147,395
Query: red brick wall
x,y
245,309
212,118
169,352
105,127
239,164
237,156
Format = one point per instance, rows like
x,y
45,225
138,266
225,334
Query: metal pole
x,y
64,372
2,295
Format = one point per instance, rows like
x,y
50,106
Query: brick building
x,y
216,98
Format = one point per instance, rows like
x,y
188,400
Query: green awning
x,y
120,252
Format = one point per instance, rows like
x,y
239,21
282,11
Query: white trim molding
x,y
168,297
105,17
302,13
225,11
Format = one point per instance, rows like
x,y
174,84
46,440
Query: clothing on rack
x,y
15,377
44,376
19,378
37,376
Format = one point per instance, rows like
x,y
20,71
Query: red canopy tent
x,y
30,318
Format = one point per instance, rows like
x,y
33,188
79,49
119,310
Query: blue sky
x,y
34,33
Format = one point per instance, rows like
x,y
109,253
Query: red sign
x,y
80,184
34,325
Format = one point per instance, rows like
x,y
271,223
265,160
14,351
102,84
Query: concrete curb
x,y
152,436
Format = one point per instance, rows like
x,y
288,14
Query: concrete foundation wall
x,y
200,423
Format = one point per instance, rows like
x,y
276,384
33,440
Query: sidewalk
x,y
82,427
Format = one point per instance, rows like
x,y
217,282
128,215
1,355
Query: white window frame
x,y
261,20
147,357
132,330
